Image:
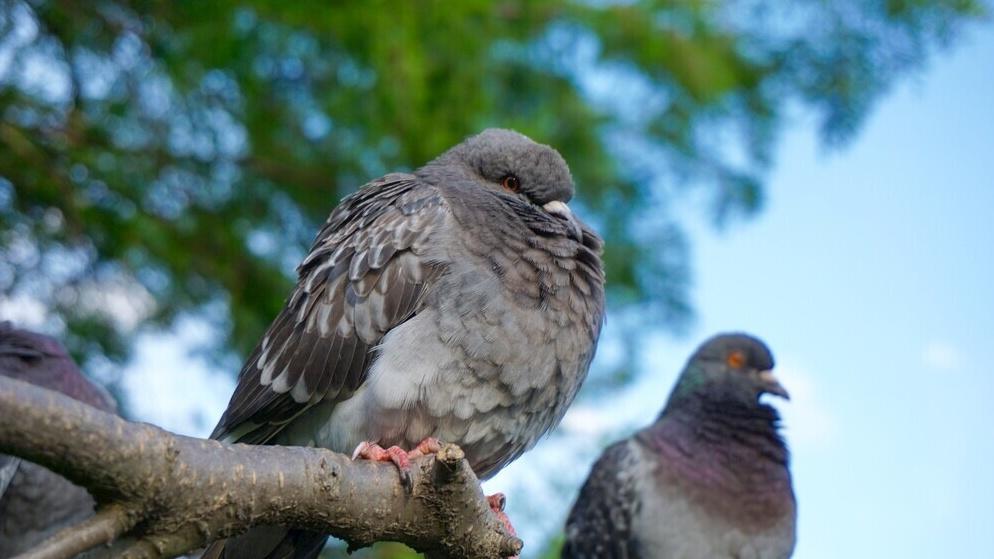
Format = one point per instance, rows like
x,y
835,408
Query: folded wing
x,y
366,273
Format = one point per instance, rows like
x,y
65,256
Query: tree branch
x,y
101,528
173,494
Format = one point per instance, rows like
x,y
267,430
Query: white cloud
x,y
941,355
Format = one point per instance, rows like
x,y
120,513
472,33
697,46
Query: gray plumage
x,y
462,302
35,502
708,479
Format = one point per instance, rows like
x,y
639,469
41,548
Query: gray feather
x,y
600,524
8,467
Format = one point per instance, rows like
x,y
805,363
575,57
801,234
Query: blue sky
x,y
870,275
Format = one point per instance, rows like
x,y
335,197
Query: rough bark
x,y
163,494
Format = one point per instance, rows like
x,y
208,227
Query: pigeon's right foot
x,y
401,458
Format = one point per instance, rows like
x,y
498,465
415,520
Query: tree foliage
x,y
162,158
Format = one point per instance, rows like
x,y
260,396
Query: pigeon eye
x,y
511,183
736,359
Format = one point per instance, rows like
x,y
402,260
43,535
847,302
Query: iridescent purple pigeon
x,y
709,479
35,502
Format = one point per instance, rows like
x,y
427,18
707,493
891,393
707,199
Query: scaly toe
x,y
497,502
430,445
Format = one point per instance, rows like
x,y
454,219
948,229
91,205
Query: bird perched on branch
x,y
461,302
35,502
708,479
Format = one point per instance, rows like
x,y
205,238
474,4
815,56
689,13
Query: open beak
x,y
771,385
562,211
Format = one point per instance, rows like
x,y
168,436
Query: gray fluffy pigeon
x,y
35,502
460,302
708,479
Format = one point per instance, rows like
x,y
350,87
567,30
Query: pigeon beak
x,y
771,385
562,211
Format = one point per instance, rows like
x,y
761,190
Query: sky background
x,y
870,275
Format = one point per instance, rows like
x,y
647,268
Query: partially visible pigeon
x,y
461,302
35,502
708,479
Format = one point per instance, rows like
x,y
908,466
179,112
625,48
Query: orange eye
x,y
511,183
736,359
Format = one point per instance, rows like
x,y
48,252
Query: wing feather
x,y
365,274
600,524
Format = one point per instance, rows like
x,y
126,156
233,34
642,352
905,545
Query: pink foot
x,y
425,447
401,458
497,502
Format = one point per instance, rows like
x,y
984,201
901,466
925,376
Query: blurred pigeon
x,y
461,302
708,479
35,502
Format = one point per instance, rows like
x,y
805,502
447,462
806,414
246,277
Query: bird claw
x,y
401,458
430,445
497,502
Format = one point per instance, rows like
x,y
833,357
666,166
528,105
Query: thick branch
x,y
183,492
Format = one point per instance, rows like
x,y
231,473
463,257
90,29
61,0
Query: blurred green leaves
x,y
160,158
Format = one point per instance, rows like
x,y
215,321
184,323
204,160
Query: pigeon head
x,y
515,164
27,345
41,360
730,366
519,170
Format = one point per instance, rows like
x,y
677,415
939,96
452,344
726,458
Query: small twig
x,y
99,529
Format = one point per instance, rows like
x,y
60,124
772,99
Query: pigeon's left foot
x,y
497,502
401,458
